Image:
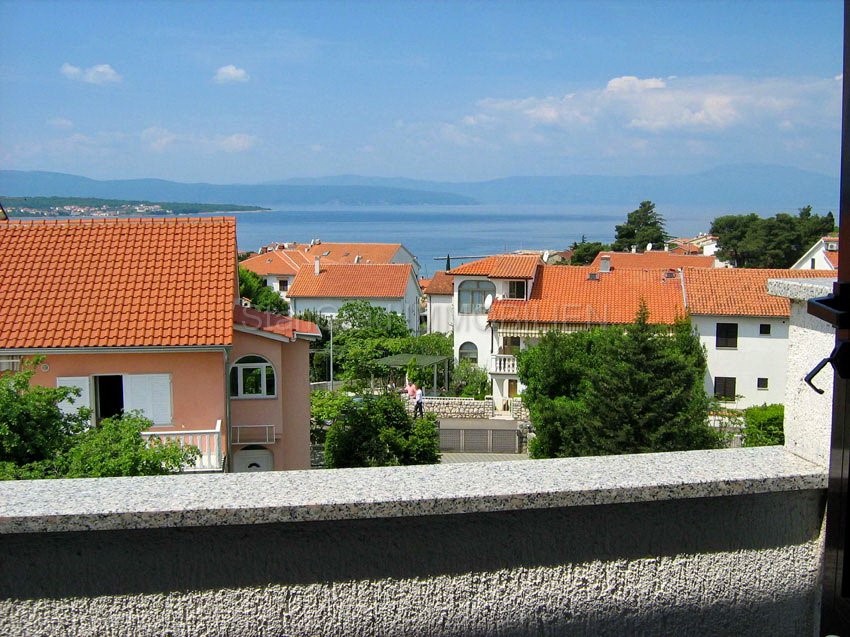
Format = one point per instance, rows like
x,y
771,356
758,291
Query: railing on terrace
x,y
208,441
502,364
252,434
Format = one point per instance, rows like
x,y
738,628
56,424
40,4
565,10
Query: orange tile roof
x,y
503,266
565,295
832,257
740,291
363,280
275,262
441,284
122,282
274,323
653,260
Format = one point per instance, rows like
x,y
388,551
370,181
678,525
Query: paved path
x,y
451,457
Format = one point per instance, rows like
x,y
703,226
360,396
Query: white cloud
x,y
158,139
60,123
98,74
230,73
236,143
632,84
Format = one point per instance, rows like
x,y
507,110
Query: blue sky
x,y
248,92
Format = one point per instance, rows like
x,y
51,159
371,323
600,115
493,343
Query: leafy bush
x,y
470,380
763,425
375,431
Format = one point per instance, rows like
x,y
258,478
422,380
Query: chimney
x,y
634,249
316,266
605,263
357,258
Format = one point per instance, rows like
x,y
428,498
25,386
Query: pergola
x,y
419,360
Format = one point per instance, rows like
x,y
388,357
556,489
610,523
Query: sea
x,y
462,233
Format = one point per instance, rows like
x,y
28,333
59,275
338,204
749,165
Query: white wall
x,y
471,327
440,313
756,356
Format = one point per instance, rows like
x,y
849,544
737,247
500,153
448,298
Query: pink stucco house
x,y
143,314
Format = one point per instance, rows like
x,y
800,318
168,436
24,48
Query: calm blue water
x,y
432,232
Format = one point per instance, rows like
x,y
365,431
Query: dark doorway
x,y
109,392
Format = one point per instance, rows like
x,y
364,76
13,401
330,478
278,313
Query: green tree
x,y
610,391
116,447
38,439
643,226
361,334
262,297
33,428
584,252
763,425
374,431
470,380
750,241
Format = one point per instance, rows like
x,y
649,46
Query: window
x,y
471,296
10,363
468,351
812,264
283,284
111,395
764,329
252,377
510,345
724,387
727,335
516,289
761,383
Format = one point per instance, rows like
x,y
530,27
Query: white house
x,y
439,304
823,255
326,287
278,263
743,329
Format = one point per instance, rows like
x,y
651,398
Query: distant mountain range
x,y
757,187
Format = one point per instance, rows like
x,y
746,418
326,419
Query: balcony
x,y
208,441
502,364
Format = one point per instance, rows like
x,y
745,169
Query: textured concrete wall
x,y
738,565
454,407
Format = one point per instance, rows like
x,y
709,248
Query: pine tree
x,y
643,226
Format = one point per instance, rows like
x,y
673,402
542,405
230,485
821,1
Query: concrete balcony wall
x,y
709,543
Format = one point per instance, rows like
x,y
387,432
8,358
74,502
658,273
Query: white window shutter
x,y
151,394
83,383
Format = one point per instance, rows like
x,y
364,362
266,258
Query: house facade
x,y
141,314
439,303
326,287
743,329
823,255
279,263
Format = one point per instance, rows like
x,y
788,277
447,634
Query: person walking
x,y
419,407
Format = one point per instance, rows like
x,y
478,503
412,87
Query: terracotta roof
x,y
740,291
342,252
277,262
503,266
832,257
274,323
117,282
352,281
440,284
656,259
567,295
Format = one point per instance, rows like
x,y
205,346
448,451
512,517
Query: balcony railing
x,y
502,364
208,441
252,434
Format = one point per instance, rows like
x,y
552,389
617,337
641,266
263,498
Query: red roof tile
x,y
440,284
740,291
503,266
274,323
352,281
653,260
117,282
567,295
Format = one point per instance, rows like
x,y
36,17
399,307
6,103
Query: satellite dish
x,y
649,247
488,301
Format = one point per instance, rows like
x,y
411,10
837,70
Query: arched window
x,y
252,377
471,295
468,351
